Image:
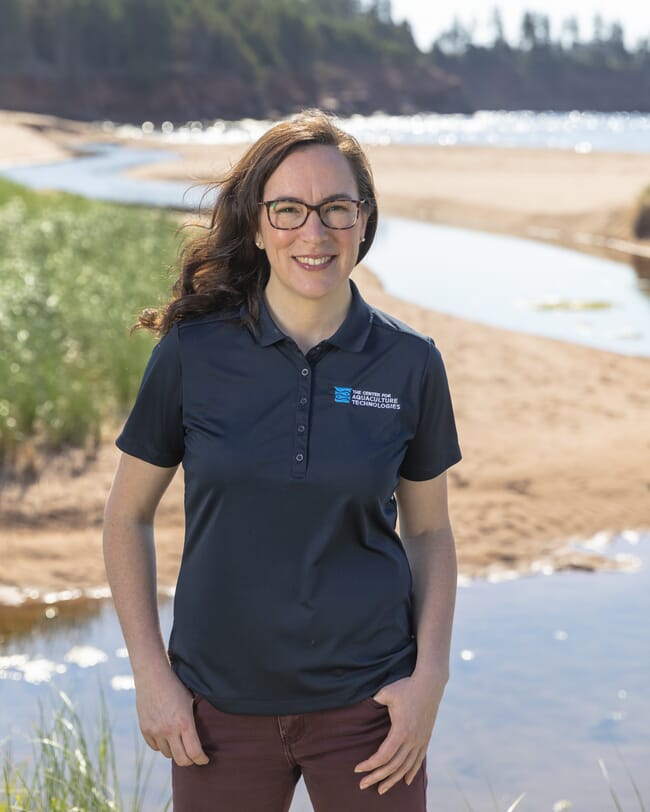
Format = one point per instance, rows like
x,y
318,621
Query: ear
x,y
364,223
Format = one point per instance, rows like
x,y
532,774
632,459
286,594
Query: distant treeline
x,y
607,43
127,59
142,38
540,71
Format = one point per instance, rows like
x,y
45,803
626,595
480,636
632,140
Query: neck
x,y
308,321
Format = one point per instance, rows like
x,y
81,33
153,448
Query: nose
x,y
313,227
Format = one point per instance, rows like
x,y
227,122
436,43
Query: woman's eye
x,y
286,208
335,208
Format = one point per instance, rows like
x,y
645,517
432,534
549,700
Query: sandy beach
x,y
555,437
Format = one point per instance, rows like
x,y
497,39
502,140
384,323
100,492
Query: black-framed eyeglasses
x,y
287,214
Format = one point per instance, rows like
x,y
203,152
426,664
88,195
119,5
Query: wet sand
x,y
555,437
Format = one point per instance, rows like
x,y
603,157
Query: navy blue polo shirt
x,y
294,592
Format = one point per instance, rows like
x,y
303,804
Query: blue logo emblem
x,y
342,394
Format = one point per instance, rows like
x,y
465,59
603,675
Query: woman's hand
x,y
164,704
413,706
413,702
165,712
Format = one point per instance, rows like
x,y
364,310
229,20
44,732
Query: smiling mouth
x,y
314,262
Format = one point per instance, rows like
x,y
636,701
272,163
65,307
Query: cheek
x,y
277,241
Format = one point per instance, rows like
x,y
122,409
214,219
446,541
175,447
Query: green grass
x,y
573,304
70,774
73,275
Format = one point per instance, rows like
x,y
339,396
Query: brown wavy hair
x,y
222,268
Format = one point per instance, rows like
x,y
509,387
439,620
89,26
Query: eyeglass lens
x,y
293,214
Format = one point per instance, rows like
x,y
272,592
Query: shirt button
x,y
300,457
301,429
303,401
304,372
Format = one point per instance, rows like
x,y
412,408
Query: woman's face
x,y
313,261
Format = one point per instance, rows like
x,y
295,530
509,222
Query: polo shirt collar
x,y
351,335
354,331
268,331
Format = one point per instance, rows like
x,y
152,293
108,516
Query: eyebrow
x,y
341,196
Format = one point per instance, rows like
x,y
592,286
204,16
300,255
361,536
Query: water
x,y
578,130
515,283
549,675
518,284
99,175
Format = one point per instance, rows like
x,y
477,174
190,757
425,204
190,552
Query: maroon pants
x,y
256,761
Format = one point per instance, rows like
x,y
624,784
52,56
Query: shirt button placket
x,y
299,460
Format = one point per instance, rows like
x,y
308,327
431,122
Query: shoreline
x,y
555,436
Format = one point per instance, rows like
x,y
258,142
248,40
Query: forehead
x,y
311,174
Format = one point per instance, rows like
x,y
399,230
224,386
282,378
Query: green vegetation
x,y
73,275
573,304
68,773
147,39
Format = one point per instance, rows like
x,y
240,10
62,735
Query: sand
x,y
555,437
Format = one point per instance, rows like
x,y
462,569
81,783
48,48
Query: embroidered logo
x,y
364,397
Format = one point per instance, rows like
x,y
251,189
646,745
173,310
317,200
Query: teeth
x,y
313,260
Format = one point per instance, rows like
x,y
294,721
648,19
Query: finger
x,y
163,745
179,753
398,774
387,769
192,745
385,752
151,742
415,768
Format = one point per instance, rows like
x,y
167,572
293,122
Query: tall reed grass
x,y
70,774
73,275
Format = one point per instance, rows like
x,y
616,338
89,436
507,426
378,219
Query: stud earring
x,y
363,239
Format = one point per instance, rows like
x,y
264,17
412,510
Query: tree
x,y
543,29
528,31
383,11
616,39
496,24
456,39
598,28
570,33
13,33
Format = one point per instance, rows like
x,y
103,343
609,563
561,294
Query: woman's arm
x,y
413,702
164,704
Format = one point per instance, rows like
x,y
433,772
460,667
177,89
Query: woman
x,y
309,637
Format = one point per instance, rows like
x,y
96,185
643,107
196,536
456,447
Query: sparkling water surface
x,y
580,131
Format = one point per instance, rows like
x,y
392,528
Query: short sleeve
x,y
154,429
434,447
